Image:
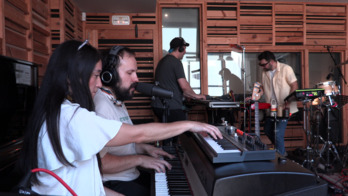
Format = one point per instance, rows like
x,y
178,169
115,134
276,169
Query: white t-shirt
x,y
106,107
82,135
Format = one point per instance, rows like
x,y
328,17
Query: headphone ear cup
x,y
181,49
107,77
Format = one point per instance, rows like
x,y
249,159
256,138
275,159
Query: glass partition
x,y
225,71
322,68
224,74
184,22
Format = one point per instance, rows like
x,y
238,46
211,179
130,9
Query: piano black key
x,y
226,145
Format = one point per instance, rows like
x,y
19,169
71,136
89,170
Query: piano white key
x,y
217,147
161,185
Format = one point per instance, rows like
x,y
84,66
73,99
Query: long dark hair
x,y
67,76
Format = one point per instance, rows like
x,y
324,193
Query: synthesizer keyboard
x,y
237,147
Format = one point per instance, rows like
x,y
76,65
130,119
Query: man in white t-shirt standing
x,y
119,164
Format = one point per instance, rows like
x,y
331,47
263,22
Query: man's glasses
x,y
82,45
262,65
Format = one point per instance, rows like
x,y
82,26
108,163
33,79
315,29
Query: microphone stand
x,y
328,144
244,83
165,110
165,113
244,79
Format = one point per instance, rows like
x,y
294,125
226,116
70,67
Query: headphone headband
x,y
115,50
109,75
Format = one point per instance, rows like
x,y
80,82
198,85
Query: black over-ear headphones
x,y
109,75
181,47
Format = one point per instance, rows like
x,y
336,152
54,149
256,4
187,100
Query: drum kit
x,y
322,112
330,90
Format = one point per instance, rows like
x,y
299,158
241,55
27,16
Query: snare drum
x,y
329,87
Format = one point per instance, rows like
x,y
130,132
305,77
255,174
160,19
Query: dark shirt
x,y
168,71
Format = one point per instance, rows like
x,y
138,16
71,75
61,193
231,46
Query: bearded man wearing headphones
x,y
170,75
119,164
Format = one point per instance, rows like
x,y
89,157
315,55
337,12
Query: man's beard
x,y
123,94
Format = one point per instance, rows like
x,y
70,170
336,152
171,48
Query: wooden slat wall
x,y
289,25
221,23
25,32
256,23
69,20
55,24
66,22
326,25
17,29
274,24
41,35
78,28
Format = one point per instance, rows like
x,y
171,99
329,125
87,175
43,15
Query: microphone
x,y
153,90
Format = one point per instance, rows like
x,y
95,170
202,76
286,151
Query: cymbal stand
x,y
316,123
308,162
328,146
345,157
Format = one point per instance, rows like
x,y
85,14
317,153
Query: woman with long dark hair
x,y
64,134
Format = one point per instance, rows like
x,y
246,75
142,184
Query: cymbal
x,y
343,63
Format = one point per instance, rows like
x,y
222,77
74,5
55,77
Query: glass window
x,y
225,71
253,71
322,68
184,22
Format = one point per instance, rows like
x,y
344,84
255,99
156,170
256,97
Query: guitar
x,y
257,93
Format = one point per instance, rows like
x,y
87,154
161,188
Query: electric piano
x,y
236,146
202,177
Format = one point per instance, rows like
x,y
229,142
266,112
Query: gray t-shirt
x,y
168,71
105,107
